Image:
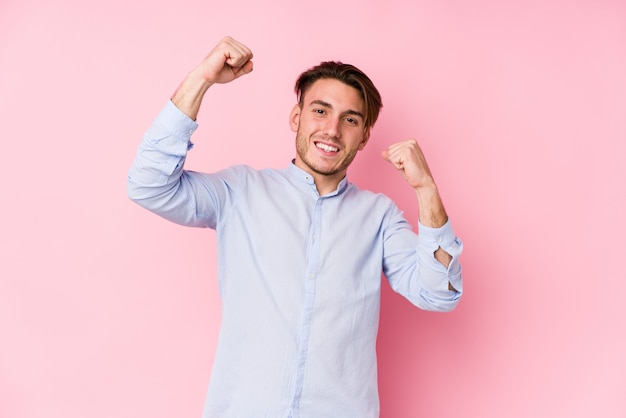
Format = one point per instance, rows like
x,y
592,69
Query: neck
x,y
324,183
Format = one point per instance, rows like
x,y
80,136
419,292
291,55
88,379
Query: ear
x,y
366,137
294,118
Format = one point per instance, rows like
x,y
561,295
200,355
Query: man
x,y
301,251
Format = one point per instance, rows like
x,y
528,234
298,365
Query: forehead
x,y
336,93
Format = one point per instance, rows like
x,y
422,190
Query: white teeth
x,y
326,148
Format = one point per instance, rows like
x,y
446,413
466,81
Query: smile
x,y
325,147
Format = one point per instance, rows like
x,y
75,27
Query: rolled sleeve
x,y
438,276
154,179
162,150
177,123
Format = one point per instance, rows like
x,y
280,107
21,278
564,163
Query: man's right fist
x,y
229,60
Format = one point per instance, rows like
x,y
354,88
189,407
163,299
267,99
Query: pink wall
x,y
107,311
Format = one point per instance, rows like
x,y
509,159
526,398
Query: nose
x,y
331,127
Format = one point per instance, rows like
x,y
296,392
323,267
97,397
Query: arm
x,y
408,158
156,180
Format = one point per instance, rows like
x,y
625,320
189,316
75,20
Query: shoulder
x,y
375,204
364,195
245,174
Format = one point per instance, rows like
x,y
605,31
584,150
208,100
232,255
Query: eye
x,y
319,111
352,121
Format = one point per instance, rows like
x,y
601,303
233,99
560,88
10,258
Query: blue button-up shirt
x,y
299,276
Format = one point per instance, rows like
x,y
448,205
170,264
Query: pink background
x,y
108,311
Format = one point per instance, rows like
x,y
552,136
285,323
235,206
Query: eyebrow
x,y
329,106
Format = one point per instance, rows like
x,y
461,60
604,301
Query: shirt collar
x,y
301,176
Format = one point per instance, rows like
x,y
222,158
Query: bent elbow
x,y
439,303
133,190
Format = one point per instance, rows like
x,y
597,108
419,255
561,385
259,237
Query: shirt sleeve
x,y
434,276
413,271
156,179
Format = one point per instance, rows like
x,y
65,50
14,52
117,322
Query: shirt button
x,y
439,239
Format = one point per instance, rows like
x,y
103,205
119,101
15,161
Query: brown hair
x,y
347,74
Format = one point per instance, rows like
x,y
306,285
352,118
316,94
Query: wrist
x,y
426,191
188,97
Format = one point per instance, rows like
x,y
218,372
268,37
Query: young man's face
x,y
329,128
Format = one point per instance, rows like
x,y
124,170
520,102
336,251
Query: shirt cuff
x,y
177,123
434,238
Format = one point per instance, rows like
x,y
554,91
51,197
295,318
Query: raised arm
x,y
156,179
229,60
408,158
